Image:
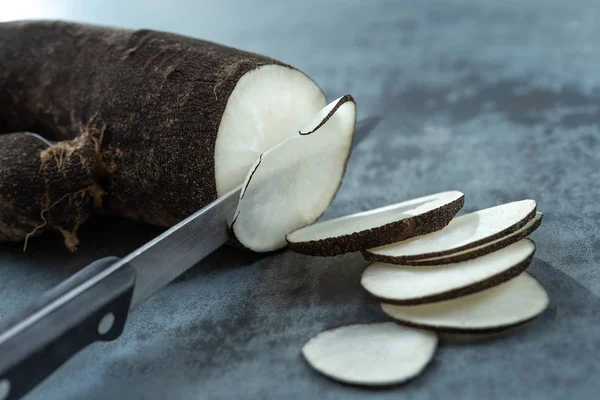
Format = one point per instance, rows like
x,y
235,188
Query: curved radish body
x,y
163,123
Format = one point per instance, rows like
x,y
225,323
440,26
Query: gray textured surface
x,y
497,99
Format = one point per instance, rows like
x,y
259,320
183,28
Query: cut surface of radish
x,y
371,354
409,285
267,105
292,184
376,227
508,304
464,232
484,249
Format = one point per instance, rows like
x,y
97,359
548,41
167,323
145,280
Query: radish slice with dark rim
x,y
462,233
484,249
511,303
409,285
377,227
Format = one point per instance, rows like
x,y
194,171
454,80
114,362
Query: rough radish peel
x,y
378,227
160,124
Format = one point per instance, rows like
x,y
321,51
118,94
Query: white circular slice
x,y
484,249
292,184
464,232
267,105
409,285
377,227
508,304
371,354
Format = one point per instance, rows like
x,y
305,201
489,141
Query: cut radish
x,y
252,124
377,227
484,249
511,303
408,285
371,354
292,184
148,124
464,232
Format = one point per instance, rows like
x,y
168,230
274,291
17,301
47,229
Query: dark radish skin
x,y
135,114
411,218
38,192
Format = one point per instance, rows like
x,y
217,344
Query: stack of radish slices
x,y
433,272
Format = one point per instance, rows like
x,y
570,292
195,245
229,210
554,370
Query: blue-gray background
x,y
497,99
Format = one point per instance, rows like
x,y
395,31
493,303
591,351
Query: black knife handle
x,y
98,313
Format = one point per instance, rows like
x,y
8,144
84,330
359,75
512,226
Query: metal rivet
x,y
106,323
4,389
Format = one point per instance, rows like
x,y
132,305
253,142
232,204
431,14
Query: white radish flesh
x,y
292,184
380,226
508,304
462,233
409,285
277,100
371,354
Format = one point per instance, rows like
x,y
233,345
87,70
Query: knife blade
x,y
93,304
193,239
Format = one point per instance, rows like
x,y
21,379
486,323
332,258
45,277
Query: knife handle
x,y
52,329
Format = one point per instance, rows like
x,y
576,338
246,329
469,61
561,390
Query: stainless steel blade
x,y
363,128
158,261
176,250
173,252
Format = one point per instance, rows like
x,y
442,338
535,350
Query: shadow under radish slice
x,y
484,249
409,286
292,184
377,227
462,233
511,303
379,354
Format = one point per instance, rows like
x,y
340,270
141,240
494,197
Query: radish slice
x,y
253,123
408,285
371,354
292,184
484,249
511,303
463,233
377,227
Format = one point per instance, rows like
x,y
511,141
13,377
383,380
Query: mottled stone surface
x,y
498,99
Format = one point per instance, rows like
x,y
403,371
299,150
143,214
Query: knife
x,y
93,304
